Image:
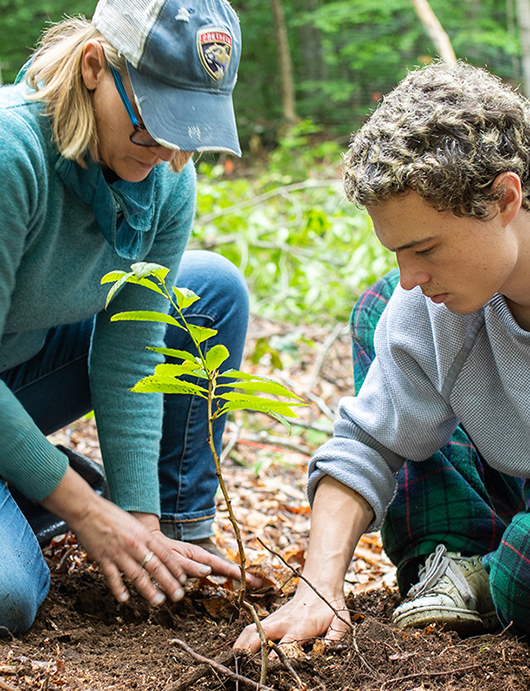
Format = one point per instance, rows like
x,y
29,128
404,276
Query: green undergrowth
x,y
305,251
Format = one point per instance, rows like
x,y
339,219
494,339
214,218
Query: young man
x,y
443,168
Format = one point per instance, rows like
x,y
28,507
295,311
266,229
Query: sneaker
x,y
452,590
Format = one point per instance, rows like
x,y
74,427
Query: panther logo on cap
x,y
215,49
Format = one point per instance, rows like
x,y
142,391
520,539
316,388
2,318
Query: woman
x,y
88,132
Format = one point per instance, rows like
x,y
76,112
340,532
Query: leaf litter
x,y
84,639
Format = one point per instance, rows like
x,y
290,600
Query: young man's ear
x,y
512,195
92,63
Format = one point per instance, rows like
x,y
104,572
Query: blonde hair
x,y
55,75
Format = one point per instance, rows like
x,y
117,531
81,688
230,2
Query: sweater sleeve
x,y
399,412
130,424
27,459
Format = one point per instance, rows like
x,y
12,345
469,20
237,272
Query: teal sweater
x,y
61,229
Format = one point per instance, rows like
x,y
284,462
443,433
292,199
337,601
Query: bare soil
x,y
83,639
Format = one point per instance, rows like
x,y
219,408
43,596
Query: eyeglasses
x,y
139,136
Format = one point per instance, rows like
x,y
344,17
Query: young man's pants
x,y
453,498
54,388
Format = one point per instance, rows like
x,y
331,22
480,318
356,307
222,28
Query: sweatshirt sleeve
x,y
130,424
399,413
27,459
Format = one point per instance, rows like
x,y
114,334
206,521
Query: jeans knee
x,y
509,574
208,273
21,594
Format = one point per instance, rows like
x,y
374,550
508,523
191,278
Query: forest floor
x,y
84,639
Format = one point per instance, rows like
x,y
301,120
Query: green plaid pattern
x,y
453,498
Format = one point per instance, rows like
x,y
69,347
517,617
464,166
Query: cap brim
x,y
184,119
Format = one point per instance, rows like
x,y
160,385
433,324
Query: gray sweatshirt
x,y
433,369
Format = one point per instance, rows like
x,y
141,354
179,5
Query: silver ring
x,y
147,558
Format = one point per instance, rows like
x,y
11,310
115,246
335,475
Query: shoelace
x,y
437,565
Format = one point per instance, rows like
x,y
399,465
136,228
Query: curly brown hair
x,y
445,132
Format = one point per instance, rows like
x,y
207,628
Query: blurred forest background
x,y
312,70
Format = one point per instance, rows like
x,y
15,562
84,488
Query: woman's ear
x,y
92,63
509,203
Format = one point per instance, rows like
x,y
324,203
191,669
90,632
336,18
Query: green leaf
x,y
216,356
144,269
259,404
201,333
113,276
148,283
250,399
187,368
263,387
172,352
236,374
123,279
147,316
185,297
156,384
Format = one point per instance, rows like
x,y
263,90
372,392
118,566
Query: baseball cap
x,y
182,58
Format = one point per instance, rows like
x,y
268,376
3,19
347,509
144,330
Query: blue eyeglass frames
x,y
139,136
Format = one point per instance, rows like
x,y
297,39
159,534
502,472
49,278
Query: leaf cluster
x,y
225,391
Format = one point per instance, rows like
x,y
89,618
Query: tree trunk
x,y
285,64
435,31
523,23
313,64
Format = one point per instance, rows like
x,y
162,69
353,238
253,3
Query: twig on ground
x,y
458,670
232,441
374,673
322,355
198,673
288,666
297,422
6,687
272,440
303,578
248,607
218,667
4,628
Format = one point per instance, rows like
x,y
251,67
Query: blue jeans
x,y
54,388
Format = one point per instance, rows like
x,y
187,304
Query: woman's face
x,y
129,161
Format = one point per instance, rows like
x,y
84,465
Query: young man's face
x,y
461,262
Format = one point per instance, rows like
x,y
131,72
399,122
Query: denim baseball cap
x,y
182,58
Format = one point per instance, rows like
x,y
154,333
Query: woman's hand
x,y
131,545
304,617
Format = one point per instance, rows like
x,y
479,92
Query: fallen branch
x,y
248,608
6,687
312,397
256,201
322,355
288,666
218,667
303,578
231,442
196,674
429,674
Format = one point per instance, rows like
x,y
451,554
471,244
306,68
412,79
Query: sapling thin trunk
x,y
238,393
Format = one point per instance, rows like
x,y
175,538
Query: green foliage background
x,y
306,252
346,53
